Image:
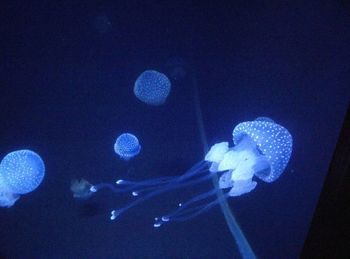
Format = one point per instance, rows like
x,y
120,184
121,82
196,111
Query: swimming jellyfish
x,y
127,146
21,172
80,189
261,150
152,87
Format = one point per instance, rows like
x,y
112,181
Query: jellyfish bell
x,y
21,172
80,189
127,146
264,118
7,197
261,150
152,87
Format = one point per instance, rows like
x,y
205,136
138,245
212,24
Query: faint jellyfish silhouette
x,y
152,87
80,188
263,118
127,146
176,68
21,172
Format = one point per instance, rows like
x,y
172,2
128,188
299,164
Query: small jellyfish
x,y
80,189
152,87
127,146
21,172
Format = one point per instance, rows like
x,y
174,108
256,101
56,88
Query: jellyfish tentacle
x,y
195,211
81,188
243,245
154,181
166,188
123,186
188,213
180,183
186,206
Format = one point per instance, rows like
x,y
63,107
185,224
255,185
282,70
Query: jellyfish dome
x,y
127,146
21,172
262,149
152,87
272,140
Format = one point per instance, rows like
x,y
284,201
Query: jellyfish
x,y
152,87
127,146
80,189
21,172
261,151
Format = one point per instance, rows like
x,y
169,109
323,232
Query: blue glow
x,y
21,172
80,189
127,146
273,140
152,87
262,149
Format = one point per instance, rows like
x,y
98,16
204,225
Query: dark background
x,y
66,77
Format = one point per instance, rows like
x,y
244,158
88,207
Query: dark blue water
x,y
66,77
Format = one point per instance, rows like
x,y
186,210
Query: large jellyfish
x,y
261,150
21,172
152,87
127,146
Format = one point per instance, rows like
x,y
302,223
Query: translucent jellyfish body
x,y
21,172
127,146
80,188
152,87
261,150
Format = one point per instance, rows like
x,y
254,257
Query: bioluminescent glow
x,y
261,150
80,189
21,172
152,87
127,146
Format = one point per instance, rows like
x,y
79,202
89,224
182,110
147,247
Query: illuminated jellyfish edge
x,y
150,92
23,156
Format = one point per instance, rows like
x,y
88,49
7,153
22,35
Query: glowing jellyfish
x,y
152,87
127,146
261,150
21,172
